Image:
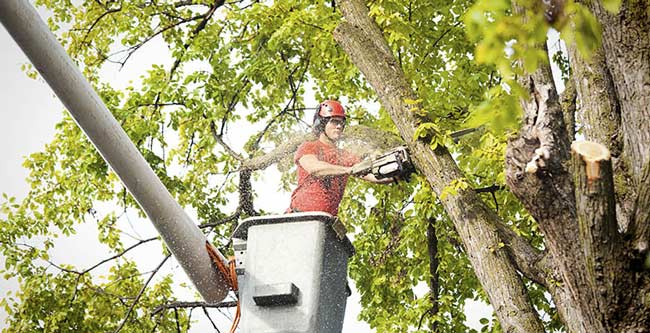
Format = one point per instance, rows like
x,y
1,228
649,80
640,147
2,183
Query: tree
x,y
573,228
588,266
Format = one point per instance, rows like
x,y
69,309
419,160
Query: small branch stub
x,y
592,154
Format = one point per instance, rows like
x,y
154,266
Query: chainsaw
x,y
394,163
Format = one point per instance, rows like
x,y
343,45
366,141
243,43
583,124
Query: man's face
x,y
334,128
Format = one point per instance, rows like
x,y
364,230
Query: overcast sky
x,y
27,116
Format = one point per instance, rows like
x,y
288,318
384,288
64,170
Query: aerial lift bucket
x,y
292,273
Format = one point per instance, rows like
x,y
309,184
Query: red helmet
x,y
324,112
331,108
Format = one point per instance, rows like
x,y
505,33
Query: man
x,y
323,168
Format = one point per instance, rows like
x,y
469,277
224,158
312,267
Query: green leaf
x,y
585,29
613,6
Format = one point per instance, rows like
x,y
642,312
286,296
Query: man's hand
x,y
371,178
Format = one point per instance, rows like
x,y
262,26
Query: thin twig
x,y
219,139
199,27
210,318
178,324
186,305
119,254
92,26
285,110
132,49
137,298
490,189
222,221
435,43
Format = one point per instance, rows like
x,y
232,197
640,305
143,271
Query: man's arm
x,y
371,178
319,168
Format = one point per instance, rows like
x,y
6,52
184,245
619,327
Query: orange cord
x,y
233,276
230,276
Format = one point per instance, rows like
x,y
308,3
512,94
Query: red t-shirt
x,y
322,194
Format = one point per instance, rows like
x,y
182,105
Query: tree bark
x,y
362,40
600,118
626,45
600,241
434,282
641,213
568,102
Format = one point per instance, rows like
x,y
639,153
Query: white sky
x,y
27,117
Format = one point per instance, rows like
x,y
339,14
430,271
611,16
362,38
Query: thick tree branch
x,y
568,103
640,226
434,278
219,139
527,259
246,193
626,45
600,240
538,173
362,40
600,116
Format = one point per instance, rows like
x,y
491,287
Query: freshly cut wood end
x,y
592,153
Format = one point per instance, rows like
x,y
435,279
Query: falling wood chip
x,y
592,154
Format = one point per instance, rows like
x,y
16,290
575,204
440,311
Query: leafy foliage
x,y
258,65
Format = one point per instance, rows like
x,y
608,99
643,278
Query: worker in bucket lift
x,y
323,168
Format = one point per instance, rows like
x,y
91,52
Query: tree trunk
x,y
600,116
626,46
